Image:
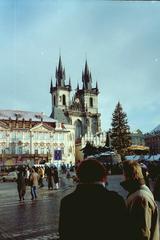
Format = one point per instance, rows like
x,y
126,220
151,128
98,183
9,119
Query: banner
x,y
57,155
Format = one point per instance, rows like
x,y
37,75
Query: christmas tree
x,y
120,131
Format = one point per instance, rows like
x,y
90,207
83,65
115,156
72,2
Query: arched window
x,y
91,102
54,100
78,131
64,99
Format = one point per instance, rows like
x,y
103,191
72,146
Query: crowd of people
x,y
35,177
91,211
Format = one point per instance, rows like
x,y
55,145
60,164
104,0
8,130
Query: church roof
x,y
156,129
59,115
26,115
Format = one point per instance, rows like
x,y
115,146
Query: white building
x,y
31,137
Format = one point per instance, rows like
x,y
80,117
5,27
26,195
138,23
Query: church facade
x,y
79,109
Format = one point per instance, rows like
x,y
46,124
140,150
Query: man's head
x,y
90,171
132,170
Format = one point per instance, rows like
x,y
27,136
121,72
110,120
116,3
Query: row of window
x,y
63,100
21,150
20,136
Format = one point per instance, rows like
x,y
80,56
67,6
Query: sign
x,y
57,155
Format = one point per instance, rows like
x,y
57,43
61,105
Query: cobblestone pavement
x,y
28,220
38,219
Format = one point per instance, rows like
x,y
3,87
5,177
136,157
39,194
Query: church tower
x,y
82,110
88,99
60,92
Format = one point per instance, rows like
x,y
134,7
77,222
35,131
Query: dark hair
x,y
91,171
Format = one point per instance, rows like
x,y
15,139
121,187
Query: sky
x,y
119,39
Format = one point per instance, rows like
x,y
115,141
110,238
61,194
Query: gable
x,y
42,128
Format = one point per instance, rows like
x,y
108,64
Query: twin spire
x,y
61,76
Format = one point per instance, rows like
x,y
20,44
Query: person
x,y
34,183
92,212
27,174
143,219
56,178
21,184
41,177
50,172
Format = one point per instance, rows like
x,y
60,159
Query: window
x,y
91,102
42,150
61,137
13,136
41,136
20,150
36,151
64,100
20,136
27,136
35,136
47,136
55,137
2,135
62,149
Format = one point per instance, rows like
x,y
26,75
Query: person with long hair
x,y
143,216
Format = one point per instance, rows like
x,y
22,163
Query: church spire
x,y
70,87
97,90
51,86
87,78
77,87
60,74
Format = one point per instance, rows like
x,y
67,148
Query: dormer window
x,y
38,116
17,115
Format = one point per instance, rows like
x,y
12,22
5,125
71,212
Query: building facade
x,y
31,138
137,138
152,140
79,110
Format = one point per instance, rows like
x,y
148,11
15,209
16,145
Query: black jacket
x,y
92,212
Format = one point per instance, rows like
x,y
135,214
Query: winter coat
x,y
92,212
21,185
55,176
143,212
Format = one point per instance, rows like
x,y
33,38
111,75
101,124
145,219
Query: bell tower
x,y
60,93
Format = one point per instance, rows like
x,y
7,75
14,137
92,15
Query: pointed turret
x,y
60,74
86,77
77,87
60,64
86,68
97,90
51,86
69,85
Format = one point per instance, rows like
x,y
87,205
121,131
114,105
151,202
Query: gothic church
x,y
80,109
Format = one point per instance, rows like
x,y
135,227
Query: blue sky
x,y
121,41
